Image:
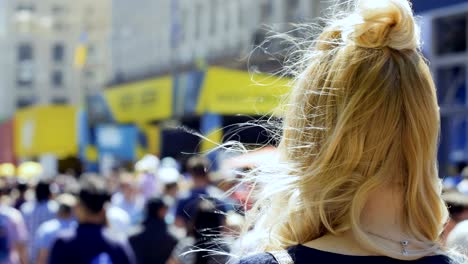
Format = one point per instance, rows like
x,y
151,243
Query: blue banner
x,y
187,88
117,141
428,5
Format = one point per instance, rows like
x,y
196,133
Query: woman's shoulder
x,y
261,258
440,259
303,254
445,259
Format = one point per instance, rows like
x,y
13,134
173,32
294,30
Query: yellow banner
x,y
153,134
230,92
153,137
141,102
46,130
213,140
81,54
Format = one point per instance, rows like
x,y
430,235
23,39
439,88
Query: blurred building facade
x,y
445,43
6,59
168,34
184,63
53,52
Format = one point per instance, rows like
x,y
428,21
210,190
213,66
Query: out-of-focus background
x,y
89,85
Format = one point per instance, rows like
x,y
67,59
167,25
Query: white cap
x,y
168,175
148,163
168,162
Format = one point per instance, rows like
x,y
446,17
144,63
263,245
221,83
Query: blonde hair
x,y
363,113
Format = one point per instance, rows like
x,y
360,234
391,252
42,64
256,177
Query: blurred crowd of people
x,y
456,197
157,213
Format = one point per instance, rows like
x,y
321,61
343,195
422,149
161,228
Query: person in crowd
x,y
171,190
457,204
90,242
47,232
38,211
113,180
13,235
65,182
197,167
129,199
358,179
21,189
456,229
458,237
147,184
205,237
118,220
152,242
5,192
456,175
169,178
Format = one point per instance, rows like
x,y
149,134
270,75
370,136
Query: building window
x,y
198,21
58,10
60,25
183,25
450,34
25,52
91,54
293,11
242,15
227,20
59,100
25,69
25,102
452,78
89,75
58,52
25,8
214,17
57,79
91,50
25,74
259,38
267,10
90,11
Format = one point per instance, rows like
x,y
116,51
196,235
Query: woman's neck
x,y
381,217
383,212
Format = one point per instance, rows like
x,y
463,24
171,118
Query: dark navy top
x,y
187,205
91,244
305,255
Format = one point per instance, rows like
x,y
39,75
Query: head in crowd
x,y
460,167
458,237
22,187
361,126
43,191
171,189
198,166
128,186
4,188
92,199
67,203
155,209
458,211
457,204
5,191
206,227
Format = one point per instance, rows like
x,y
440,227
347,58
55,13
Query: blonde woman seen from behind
x,y
358,179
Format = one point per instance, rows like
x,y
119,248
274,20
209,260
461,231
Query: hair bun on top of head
x,y
381,23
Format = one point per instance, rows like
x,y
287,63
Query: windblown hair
x,y
363,113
